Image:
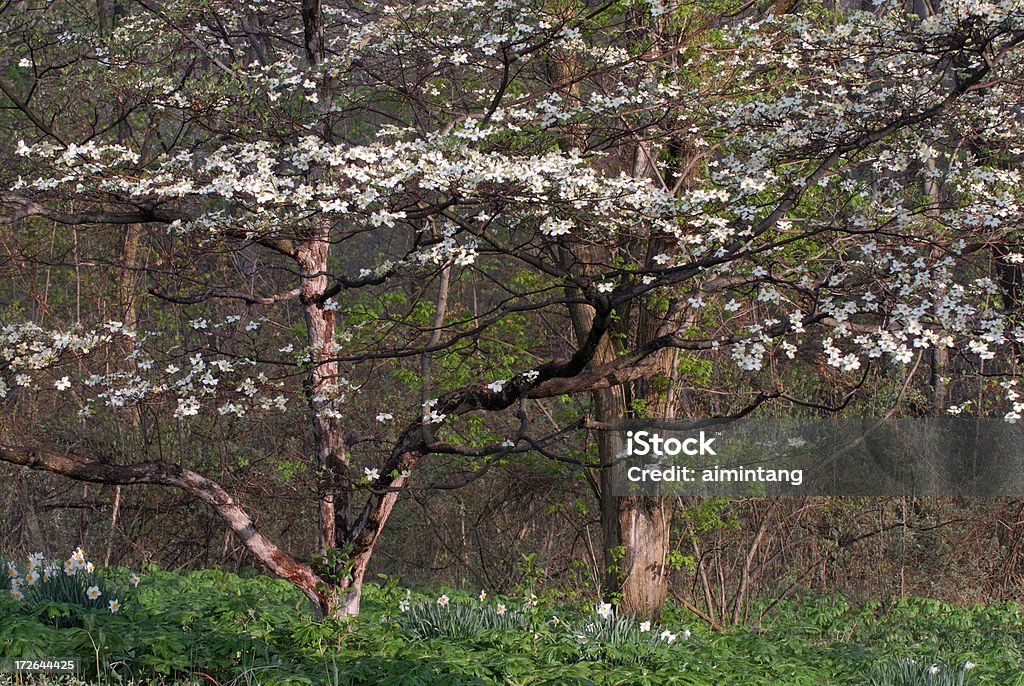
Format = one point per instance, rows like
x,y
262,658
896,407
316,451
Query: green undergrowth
x,y
212,627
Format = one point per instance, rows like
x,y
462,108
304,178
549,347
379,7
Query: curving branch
x,y
82,468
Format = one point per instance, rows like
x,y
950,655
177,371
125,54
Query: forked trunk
x,y
338,601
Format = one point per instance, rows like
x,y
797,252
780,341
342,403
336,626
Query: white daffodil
x,y
114,606
93,592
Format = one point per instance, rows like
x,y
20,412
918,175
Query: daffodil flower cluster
x,y
71,580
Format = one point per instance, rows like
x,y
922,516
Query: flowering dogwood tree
x,y
330,195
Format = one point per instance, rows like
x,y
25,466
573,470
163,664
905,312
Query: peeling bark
x,y
328,437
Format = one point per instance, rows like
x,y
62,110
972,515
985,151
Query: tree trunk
x,y
636,531
322,388
351,595
645,524
609,408
128,298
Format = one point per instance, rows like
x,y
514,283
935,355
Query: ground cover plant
x,y
215,627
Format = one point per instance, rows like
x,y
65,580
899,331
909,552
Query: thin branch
x,y
232,295
30,208
8,89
